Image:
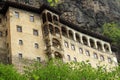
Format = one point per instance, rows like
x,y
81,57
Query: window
x,y
0,20
17,14
109,60
36,45
101,57
72,47
87,53
20,56
20,42
32,18
80,51
75,59
68,57
0,33
95,55
19,28
38,59
66,44
35,32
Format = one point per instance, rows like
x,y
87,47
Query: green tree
x,y
7,72
57,70
53,2
112,30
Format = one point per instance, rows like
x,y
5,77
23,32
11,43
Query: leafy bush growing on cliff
x,y
112,30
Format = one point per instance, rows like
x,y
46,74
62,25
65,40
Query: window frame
x,y
19,28
32,18
66,44
73,47
20,42
16,14
87,53
20,55
80,50
38,59
69,58
102,58
35,32
36,45
95,55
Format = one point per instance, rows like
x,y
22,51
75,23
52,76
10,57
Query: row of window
x,y
94,55
36,45
35,32
31,18
87,53
20,56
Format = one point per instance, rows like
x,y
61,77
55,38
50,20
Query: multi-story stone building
x,y
40,33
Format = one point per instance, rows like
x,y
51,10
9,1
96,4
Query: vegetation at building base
x,y
57,70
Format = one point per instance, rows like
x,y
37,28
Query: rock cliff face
x,y
90,14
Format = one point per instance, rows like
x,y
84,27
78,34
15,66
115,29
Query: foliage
x,y
57,70
7,72
112,31
53,2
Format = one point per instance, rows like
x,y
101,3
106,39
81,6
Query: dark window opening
x,y
44,17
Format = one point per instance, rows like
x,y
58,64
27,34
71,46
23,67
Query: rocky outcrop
x,y
90,14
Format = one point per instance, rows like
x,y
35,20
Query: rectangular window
x,y
0,20
38,59
68,57
17,14
20,42
0,33
20,56
19,28
32,18
35,32
72,47
36,45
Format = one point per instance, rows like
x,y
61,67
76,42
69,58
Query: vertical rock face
x,y
90,14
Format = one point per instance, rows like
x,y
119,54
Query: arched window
x,y
64,32
49,16
77,37
58,55
95,55
71,35
51,29
102,58
45,30
55,19
92,43
106,47
44,17
99,45
56,43
57,31
85,41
